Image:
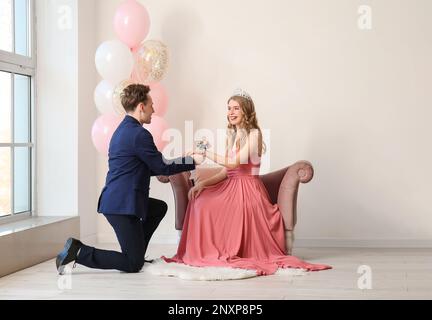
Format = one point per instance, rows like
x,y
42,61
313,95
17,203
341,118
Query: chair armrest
x,y
180,184
163,179
272,182
300,172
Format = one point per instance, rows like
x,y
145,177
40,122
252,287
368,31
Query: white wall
x,y
355,103
87,114
56,109
66,158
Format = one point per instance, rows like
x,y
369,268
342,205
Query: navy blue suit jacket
x,y
133,159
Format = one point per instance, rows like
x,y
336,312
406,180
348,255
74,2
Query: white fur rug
x,y
161,268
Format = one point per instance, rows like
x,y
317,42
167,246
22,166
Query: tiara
x,y
241,93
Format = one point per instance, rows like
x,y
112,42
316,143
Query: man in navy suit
x,y
124,201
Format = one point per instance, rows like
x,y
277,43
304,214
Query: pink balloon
x,y
157,127
102,131
131,23
160,99
138,75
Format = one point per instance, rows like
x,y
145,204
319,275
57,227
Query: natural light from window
x,y
17,69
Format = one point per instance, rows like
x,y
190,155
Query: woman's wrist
x,y
201,185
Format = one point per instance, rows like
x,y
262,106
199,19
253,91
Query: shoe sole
x,y
62,256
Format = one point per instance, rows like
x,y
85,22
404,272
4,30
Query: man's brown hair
x,y
133,95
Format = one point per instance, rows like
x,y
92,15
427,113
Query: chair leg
x,y
289,241
179,234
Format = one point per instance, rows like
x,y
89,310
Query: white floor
x,y
396,274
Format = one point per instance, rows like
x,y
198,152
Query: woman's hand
x,y
199,159
195,191
195,152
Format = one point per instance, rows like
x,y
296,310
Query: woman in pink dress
x,y
230,221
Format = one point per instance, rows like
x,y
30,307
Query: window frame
x,y
21,65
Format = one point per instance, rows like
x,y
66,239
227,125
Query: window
x,y
17,72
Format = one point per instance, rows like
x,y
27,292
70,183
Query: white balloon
x,y
103,97
114,61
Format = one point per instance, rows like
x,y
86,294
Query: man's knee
x,y
135,264
161,206
164,208
159,210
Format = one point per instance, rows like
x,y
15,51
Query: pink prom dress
x,y
234,224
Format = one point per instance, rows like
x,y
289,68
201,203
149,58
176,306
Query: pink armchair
x,y
282,187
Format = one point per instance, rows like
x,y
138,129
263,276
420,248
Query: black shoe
x,y
69,254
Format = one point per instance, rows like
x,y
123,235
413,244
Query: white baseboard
x,y
362,243
90,239
110,238
307,242
165,239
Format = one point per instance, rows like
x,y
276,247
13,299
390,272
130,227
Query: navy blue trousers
x,y
133,234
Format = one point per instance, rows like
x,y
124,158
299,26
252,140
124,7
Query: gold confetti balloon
x,y
151,62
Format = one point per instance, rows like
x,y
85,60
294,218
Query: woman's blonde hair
x,y
250,123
